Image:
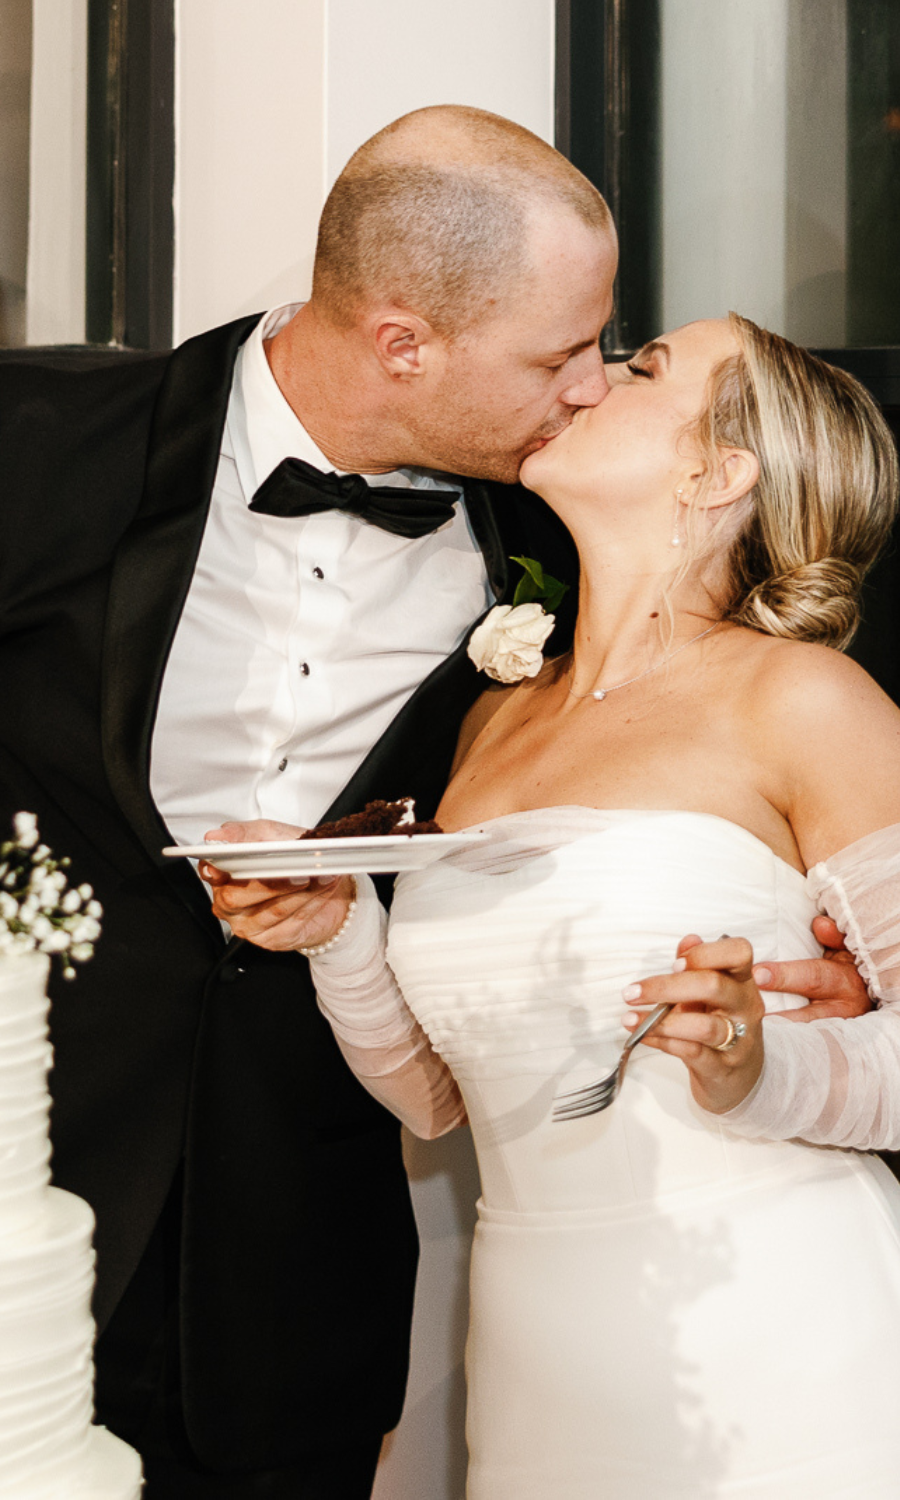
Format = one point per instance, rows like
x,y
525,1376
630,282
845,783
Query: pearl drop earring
x,y
676,537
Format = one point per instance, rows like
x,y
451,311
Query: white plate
x,y
280,859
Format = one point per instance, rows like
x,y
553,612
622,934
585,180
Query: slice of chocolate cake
x,y
375,820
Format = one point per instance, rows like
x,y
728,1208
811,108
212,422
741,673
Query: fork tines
x,y
586,1101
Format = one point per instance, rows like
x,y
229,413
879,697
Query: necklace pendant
x,y
599,695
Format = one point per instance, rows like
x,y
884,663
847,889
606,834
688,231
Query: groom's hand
x,y
275,914
832,984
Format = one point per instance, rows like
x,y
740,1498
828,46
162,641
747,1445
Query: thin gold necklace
x,y
599,694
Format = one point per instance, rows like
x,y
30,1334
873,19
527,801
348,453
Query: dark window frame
x,y
130,174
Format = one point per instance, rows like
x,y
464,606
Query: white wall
x,y
396,55
249,173
271,99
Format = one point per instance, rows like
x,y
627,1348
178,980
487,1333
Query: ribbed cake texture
x,y
49,1449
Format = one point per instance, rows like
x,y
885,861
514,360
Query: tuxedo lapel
x,y
155,562
488,532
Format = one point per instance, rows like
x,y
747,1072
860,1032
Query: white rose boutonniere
x,y
508,645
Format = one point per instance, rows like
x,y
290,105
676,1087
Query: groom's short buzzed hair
x,y
432,214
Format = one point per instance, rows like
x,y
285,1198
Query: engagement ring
x,y
736,1029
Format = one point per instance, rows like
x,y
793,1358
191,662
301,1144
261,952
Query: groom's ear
x,y
406,345
735,474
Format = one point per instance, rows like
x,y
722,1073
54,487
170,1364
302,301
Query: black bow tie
x,y
295,488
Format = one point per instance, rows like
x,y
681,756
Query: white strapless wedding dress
x,y
659,1308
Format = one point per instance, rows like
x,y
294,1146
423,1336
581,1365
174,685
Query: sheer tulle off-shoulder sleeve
x,y
837,1082
376,1031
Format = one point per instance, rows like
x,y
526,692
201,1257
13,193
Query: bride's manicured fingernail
x,y
630,1018
679,965
631,992
298,880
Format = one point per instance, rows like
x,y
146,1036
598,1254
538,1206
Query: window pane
x,y
781,165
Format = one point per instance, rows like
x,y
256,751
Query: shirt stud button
x,y
304,669
317,573
282,764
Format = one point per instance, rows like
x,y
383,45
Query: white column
x,y
56,227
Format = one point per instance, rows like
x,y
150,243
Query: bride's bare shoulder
x,y
824,728
798,681
826,740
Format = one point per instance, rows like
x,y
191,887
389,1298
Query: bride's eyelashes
x,y
640,370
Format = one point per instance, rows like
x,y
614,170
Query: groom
x,y
196,630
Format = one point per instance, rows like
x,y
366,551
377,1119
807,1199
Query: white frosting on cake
x,y
48,1448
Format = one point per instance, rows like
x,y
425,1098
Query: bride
x,y
691,1294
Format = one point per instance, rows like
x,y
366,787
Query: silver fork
x,y
600,1095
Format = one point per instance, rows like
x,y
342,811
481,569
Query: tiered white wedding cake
x,y
48,1448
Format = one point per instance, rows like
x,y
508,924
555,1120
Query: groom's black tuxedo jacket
x,y
298,1246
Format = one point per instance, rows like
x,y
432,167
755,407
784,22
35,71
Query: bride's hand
x,y
716,1000
276,914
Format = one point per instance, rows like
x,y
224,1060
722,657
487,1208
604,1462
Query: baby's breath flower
x,y
25,828
37,911
58,941
85,931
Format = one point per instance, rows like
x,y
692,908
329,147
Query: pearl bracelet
x,y
324,947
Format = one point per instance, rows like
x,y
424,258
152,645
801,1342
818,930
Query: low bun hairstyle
x,y
817,601
826,497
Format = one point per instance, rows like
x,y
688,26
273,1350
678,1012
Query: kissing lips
x,y
541,442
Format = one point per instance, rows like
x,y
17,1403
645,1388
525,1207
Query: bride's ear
x,y
735,474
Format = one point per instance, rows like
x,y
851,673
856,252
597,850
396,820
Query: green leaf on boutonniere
x,y
535,584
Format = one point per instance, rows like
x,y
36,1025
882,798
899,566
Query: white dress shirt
x,y
301,638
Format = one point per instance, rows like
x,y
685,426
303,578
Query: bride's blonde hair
x,y
826,497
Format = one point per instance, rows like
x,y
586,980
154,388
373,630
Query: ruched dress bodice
x,y
648,1288
514,957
